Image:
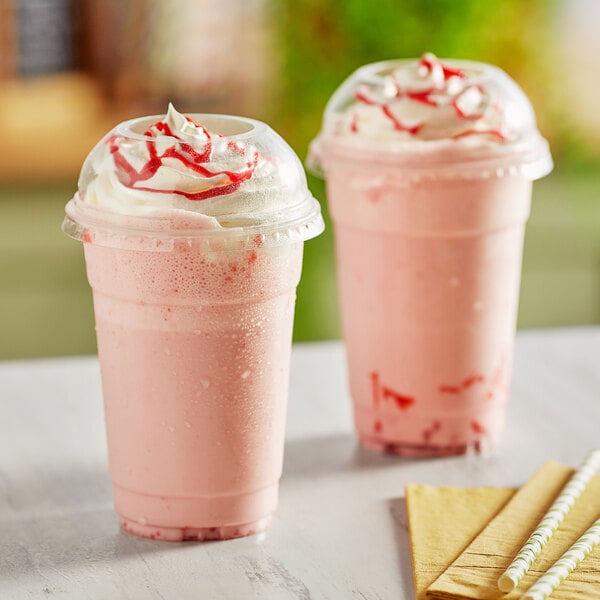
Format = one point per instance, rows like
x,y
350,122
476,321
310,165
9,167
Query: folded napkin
x,y
474,574
442,521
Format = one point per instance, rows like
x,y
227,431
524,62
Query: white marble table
x,y
340,531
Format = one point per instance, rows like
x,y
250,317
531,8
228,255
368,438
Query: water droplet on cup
x,y
143,521
187,424
245,374
171,428
204,383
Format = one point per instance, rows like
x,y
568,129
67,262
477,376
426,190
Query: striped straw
x,y
561,569
510,579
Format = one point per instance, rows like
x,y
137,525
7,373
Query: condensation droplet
x,y
168,351
187,424
205,383
454,281
171,428
245,374
477,305
143,521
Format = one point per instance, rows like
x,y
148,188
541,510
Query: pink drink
x,y
429,314
429,234
195,350
194,324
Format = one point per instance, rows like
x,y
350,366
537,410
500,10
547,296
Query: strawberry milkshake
x,y
429,166
193,230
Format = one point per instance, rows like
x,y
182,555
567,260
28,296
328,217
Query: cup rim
x,y
130,128
373,72
109,228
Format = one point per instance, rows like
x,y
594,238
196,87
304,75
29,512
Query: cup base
x,y
201,534
179,518
423,450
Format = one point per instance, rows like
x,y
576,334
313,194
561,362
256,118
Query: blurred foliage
x,y
318,43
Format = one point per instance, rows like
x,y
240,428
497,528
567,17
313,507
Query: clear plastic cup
x,y
194,329
429,214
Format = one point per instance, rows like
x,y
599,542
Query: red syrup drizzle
x,y
398,125
449,72
497,382
461,113
387,111
464,385
188,156
424,97
382,393
477,427
493,132
375,389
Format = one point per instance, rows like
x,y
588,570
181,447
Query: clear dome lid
x,y
203,174
405,110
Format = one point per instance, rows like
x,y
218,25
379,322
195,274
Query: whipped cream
x,y
429,99
177,164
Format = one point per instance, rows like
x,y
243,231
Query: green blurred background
x,y
101,61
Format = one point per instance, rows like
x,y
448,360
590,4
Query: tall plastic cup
x,y
428,167
194,307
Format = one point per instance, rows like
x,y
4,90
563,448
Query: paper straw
x,y
510,579
561,569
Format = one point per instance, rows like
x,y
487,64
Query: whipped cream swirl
x,y
215,167
428,100
176,164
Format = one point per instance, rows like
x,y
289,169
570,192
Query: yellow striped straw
x,y
510,579
562,568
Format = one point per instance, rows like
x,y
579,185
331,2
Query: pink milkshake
x,y
193,237
428,166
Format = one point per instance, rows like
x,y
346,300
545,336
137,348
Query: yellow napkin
x,y
442,521
474,574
